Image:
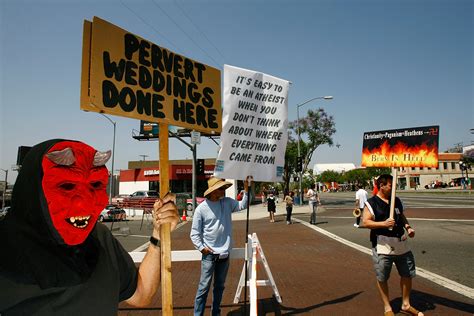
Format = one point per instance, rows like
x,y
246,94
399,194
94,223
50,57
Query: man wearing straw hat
x,y
211,234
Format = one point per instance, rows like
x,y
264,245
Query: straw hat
x,y
216,183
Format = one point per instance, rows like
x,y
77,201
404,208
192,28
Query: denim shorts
x,y
383,265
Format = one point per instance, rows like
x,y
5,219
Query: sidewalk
x,y
258,211
315,275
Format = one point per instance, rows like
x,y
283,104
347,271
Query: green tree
x,y
317,128
359,176
331,176
374,172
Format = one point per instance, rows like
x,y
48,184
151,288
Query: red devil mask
x,y
74,184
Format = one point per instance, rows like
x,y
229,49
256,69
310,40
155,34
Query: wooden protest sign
x,y
255,121
408,147
126,75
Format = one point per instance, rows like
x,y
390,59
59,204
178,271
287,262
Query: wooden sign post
x,y
166,284
394,190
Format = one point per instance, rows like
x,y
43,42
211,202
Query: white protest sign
x,y
254,126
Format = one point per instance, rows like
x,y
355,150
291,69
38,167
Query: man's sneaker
x,y
356,226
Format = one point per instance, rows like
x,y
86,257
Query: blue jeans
x,y
313,206
211,266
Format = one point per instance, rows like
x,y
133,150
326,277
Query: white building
x,y
448,172
337,167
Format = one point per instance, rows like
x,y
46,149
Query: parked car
x,y
436,185
140,199
119,198
112,212
143,194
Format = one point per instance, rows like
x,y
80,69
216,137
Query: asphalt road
x,y
429,199
444,226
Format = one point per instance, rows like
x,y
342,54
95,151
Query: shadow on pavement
x,y
270,306
428,302
332,202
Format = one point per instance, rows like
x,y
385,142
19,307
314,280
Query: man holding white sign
x,y
211,234
255,120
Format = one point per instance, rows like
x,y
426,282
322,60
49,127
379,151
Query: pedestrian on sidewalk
x,y
314,201
264,196
289,206
58,260
389,244
211,234
271,206
361,197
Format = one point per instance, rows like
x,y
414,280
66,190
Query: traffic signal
x,y
299,164
200,167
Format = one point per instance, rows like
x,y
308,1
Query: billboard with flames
x,y
407,147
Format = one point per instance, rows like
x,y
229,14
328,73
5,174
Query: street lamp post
x,y
111,187
299,138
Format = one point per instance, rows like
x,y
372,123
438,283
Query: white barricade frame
x,y
255,254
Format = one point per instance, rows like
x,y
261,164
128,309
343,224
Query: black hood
x,y
34,253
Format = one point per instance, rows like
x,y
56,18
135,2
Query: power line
x,y
197,28
187,35
151,26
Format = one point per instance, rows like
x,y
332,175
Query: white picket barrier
x,y
256,255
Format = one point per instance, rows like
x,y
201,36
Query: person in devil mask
x,y
56,258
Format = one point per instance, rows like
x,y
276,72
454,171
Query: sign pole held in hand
x,y
392,196
166,284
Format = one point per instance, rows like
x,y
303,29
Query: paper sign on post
x,y
254,126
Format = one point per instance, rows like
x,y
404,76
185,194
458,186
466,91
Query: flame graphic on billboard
x,y
400,155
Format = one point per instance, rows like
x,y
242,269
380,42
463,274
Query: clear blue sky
x,y
388,64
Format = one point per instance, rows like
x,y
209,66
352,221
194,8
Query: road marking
x,y
428,205
411,219
145,245
142,247
433,277
441,219
407,206
128,235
